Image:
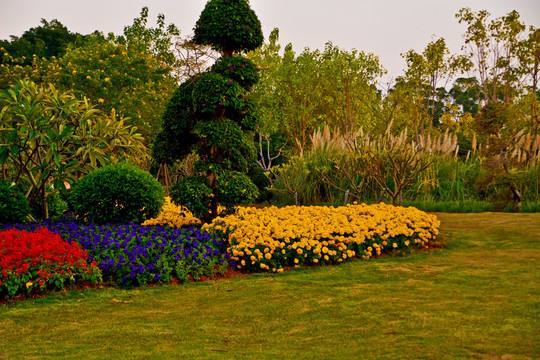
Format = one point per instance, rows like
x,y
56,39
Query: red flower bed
x,y
34,261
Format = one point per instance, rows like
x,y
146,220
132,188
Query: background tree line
x,y
485,99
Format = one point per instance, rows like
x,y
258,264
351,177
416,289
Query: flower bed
x,y
39,260
272,238
133,255
173,215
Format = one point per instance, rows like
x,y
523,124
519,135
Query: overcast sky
x,y
386,28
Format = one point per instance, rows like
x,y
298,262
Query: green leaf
x,y
56,156
4,154
14,150
59,184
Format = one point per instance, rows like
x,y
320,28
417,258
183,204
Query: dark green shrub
x,y
194,193
235,188
261,180
120,193
55,204
13,205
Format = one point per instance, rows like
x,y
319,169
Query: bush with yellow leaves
x,y
173,215
272,238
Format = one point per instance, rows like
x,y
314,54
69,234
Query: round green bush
x,y
116,194
235,188
13,205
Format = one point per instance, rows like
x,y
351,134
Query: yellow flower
x,y
100,100
296,261
107,79
394,245
28,284
268,255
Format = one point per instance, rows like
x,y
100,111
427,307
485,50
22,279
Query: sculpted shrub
x,y
120,193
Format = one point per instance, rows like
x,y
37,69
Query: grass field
x,y
476,298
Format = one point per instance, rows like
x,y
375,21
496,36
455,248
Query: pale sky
x,y
386,28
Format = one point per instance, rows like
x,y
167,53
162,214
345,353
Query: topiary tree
x,y
228,26
210,114
119,193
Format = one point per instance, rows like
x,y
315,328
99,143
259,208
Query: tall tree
x,y
528,54
51,39
490,48
299,93
427,75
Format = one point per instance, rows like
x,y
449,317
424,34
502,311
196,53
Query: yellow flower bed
x,y
272,238
173,215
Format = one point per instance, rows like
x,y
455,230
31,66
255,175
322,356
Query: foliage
x,y
238,68
424,84
291,178
228,26
235,188
50,39
272,238
119,193
132,73
173,215
133,255
155,41
194,193
298,94
13,205
397,162
260,178
125,78
40,260
493,121
490,48
56,204
50,136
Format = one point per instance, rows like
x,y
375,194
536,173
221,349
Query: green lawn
x,y
477,298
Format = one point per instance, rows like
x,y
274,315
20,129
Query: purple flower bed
x,y
134,255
